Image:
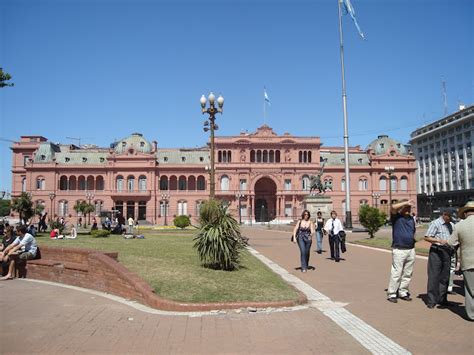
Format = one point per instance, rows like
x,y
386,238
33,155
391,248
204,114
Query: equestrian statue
x,y
316,182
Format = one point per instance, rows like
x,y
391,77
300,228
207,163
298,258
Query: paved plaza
x,y
64,320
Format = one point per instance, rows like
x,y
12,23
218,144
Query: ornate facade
x,y
266,174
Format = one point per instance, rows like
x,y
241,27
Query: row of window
x,y
63,207
81,183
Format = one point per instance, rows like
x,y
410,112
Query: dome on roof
x,y
384,144
135,141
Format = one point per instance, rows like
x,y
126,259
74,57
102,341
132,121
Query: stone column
x,y
458,172
430,172
443,173
450,171
423,163
466,168
436,174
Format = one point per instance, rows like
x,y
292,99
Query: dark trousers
x,y
305,248
334,246
439,261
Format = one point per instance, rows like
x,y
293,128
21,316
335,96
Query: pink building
x,y
267,174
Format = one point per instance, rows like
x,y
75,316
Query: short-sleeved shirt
x,y
439,229
403,231
28,243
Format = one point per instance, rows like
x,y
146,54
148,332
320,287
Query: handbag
x,y
342,239
293,237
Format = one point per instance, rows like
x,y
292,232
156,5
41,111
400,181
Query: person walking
x,y
319,232
439,259
403,251
303,232
464,237
332,227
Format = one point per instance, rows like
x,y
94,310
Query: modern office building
x,y
266,174
443,151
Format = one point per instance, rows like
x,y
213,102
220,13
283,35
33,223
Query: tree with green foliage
x,y
218,241
4,77
84,208
24,206
371,218
182,221
4,208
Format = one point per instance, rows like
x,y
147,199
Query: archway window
x,y
383,183
265,156
363,184
198,207
191,183
90,183
40,183
72,183
63,183
363,202
252,156
343,184
300,156
119,184
229,156
63,208
305,157
403,183
141,210
99,183
219,156
182,208
164,183
305,182
182,184
394,183
271,156
23,184
173,183
259,156
309,157
225,183
130,183
201,183
277,156
98,207
142,183
82,182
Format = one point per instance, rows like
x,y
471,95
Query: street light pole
x,y
240,196
89,197
52,195
390,170
165,198
211,126
376,197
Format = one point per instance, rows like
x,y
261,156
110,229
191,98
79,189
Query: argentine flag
x,y
349,9
265,95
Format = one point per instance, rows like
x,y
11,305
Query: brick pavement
x,y
361,280
58,320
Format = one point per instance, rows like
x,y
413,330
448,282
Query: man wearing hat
x,y
439,259
464,237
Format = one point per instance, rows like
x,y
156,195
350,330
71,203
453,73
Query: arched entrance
x,y
265,200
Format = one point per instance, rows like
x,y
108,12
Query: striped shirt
x,y
438,229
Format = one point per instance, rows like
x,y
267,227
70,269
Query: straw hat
x,y
468,207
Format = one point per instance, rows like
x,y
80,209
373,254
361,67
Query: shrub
x,y
100,233
182,221
56,225
218,241
371,218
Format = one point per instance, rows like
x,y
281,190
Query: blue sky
x,y
102,69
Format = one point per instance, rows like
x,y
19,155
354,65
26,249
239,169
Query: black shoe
x,y
318,251
445,304
392,299
337,260
430,306
406,298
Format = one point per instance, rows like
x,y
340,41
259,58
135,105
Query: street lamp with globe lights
x,y
211,126
240,196
390,170
376,196
52,196
89,197
165,197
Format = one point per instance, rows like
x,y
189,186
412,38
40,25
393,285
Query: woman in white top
x,y
332,227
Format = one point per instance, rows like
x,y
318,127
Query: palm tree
x,y
24,206
84,208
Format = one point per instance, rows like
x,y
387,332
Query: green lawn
x,y
169,263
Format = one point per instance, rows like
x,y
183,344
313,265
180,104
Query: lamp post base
x,y
348,220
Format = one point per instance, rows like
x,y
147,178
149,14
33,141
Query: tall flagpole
x,y
346,131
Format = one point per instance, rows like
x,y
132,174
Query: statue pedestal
x,y
318,203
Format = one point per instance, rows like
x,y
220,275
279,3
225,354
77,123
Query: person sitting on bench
x,y
24,246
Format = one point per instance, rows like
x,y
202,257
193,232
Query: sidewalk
x,y
361,280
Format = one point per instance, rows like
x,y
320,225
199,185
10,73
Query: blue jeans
x,y
305,248
319,240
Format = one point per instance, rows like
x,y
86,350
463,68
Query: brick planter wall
x,y
101,271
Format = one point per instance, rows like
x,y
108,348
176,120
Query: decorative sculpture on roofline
x,y
316,182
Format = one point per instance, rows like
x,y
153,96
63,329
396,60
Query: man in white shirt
x,y
24,246
131,223
332,227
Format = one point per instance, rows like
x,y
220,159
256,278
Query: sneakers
x,y
392,299
406,298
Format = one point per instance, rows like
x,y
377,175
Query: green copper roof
x,y
135,141
183,156
338,158
384,144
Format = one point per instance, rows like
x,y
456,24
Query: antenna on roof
x,y
78,140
